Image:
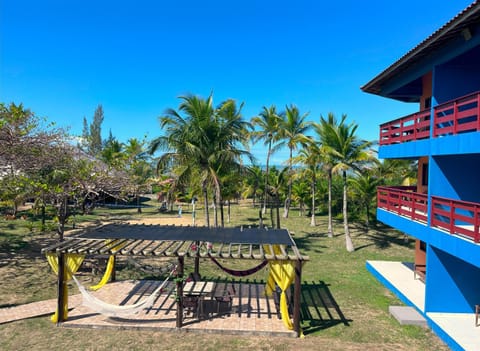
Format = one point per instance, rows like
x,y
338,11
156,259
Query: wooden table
x,y
199,289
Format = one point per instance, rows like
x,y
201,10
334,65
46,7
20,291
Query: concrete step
x,y
407,315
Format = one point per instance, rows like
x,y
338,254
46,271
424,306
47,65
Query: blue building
x,y
442,212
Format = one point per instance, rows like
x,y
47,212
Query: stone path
x,y
35,309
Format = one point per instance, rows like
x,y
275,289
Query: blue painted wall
x,y
452,285
464,249
455,176
452,82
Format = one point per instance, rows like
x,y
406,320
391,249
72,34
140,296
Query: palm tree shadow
x,y
384,237
318,308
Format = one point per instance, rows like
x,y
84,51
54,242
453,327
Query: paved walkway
x,y
35,309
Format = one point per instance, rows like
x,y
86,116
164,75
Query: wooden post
x,y
297,295
113,276
61,288
180,269
196,269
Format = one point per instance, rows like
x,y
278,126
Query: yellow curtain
x,y
281,273
115,245
106,275
73,262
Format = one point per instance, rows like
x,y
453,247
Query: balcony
x,y
452,216
453,117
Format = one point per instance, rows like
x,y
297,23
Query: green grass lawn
x,y
360,298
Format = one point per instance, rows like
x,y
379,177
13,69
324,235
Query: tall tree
x,y
95,133
293,127
311,157
268,121
365,185
203,140
325,131
347,152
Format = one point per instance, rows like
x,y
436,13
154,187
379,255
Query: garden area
x,y
362,301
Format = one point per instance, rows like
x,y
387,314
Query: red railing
x,y
412,127
458,116
461,115
456,217
403,201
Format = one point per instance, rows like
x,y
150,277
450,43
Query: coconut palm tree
x,y
324,132
267,121
348,152
365,186
310,156
202,140
291,133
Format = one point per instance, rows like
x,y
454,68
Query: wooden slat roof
x,y
175,241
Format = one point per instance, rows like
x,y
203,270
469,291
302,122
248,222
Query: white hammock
x,y
110,310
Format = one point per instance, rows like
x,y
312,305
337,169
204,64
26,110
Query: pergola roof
x,y
181,241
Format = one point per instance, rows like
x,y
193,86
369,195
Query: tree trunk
x,y
215,214
289,196
312,219
139,208
348,238
330,219
228,211
278,211
222,220
265,192
205,202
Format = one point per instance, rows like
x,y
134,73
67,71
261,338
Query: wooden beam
x,y
61,289
297,293
179,289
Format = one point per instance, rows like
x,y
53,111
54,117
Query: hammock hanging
x,y
111,310
237,273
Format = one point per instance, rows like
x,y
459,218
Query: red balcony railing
x,y
412,127
456,217
461,115
403,201
458,116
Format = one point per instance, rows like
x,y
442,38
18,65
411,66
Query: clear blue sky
x,y
61,59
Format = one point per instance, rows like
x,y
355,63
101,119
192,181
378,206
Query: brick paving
x,y
252,312
34,309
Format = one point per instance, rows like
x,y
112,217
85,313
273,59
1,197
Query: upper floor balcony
x,y
461,115
452,216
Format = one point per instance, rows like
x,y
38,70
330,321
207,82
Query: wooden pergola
x,y
182,242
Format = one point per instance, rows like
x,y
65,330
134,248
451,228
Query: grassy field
x,y
361,299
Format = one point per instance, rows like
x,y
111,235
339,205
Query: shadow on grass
x,y
318,308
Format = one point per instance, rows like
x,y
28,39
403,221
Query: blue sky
x,y
61,59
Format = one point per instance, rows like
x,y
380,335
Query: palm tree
x,y
365,185
292,129
324,132
347,152
267,121
206,141
252,183
310,156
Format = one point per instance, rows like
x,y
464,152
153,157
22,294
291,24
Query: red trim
x,y
403,201
461,115
456,217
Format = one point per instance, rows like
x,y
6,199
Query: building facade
x,y
442,212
